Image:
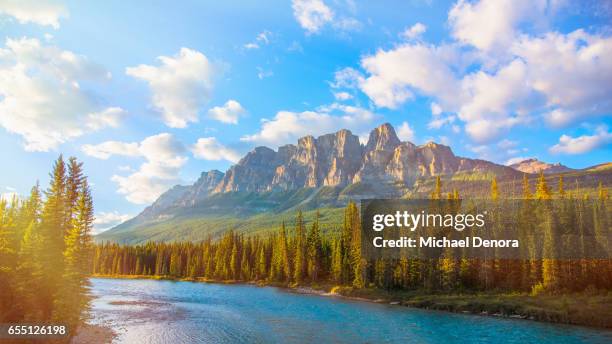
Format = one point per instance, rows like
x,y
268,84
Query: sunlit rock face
x,y
339,160
535,166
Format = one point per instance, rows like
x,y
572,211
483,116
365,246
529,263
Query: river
x,y
149,311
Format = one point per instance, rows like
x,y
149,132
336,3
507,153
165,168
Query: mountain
x,y
535,166
266,186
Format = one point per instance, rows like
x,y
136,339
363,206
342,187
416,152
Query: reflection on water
x,y
148,311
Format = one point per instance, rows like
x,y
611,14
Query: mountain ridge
x,y
326,171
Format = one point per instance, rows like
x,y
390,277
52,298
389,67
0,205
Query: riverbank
x,y
593,309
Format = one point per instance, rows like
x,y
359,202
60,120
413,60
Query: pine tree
x,y
494,189
602,192
300,249
526,188
73,293
437,192
314,250
561,189
53,230
542,191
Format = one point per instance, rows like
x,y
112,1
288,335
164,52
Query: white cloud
x,y
228,113
436,109
208,148
415,31
261,38
511,78
41,98
491,24
342,96
405,132
288,126
110,117
573,72
583,144
106,220
180,85
396,73
347,78
41,12
312,15
164,159
106,149
439,122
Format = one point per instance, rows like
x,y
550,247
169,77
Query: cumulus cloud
x,y
107,220
288,126
312,15
405,132
395,74
551,77
230,112
342,96
582,144
41,97
41,12
208,148
164,157
180,85
415,31
491,24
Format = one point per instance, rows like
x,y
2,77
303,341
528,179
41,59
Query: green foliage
x,y
45,250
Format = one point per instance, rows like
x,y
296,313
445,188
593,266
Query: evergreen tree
x,y
560,187
315,248
494,189
300,249
526,188
542,191
437,192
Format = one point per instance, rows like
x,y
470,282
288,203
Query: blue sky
x,y
498,80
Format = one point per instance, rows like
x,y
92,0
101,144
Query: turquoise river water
x,y
148,311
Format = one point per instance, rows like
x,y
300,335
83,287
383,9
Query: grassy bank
x,y
588,309
592,309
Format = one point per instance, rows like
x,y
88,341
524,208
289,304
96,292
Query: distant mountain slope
x,y
535,166
267,186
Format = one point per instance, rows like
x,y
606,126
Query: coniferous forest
x,y
299,254
45,250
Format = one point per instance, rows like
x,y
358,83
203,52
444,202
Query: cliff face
x,y
338,160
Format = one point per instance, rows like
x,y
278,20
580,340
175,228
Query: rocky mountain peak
x,y
533,165
382,138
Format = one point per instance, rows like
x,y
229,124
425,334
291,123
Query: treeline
x,y
301,255
45,250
